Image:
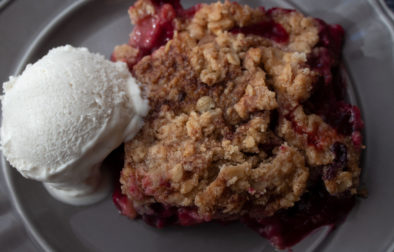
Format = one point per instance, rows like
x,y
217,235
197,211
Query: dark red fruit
x,y
331,37
327,99
267,28
153,31
328,49
287,227
340,161
123,204
161,216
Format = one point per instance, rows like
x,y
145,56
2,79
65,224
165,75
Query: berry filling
x,y
339,163
327,99
313,137
122,203
284,229
267,28
154,31
162,216
316,208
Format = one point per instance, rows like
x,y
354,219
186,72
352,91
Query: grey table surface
x,y
16,35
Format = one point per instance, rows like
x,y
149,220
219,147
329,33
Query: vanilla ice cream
x,y
63,115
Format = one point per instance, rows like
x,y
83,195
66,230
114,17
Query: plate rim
x,y
385,12
34,234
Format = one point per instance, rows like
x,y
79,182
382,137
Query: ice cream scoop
x,y
63,115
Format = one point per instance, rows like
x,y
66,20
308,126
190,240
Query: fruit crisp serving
x,y
248,120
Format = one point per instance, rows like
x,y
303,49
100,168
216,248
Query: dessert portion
x,y
63,115
248,120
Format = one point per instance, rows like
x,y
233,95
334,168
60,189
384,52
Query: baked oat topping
x,y
235,125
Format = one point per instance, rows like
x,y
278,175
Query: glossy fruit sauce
x,y
156,30
267,28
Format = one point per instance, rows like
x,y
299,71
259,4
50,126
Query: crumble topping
x,y
229,130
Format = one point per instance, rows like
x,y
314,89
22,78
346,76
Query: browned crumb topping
x,y
223,133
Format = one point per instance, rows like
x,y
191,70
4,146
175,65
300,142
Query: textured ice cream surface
x,y
65,113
